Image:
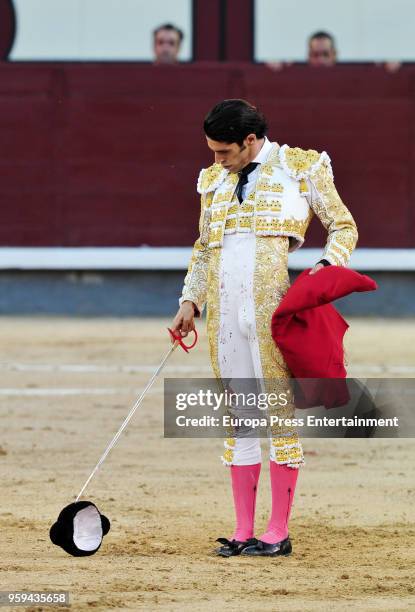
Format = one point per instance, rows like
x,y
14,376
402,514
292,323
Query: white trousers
x,y
238,348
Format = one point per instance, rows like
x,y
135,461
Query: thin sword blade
x,y
127,419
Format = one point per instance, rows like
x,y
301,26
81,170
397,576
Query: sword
x,y
177,341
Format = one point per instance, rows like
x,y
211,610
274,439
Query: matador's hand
x,y
316,268
183,322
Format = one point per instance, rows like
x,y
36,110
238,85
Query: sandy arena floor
x,y
66,386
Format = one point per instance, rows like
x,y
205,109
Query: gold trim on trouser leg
x,y
212,324
271,282
213,308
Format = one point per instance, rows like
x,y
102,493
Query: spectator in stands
x,y
322,52
322,49
167,42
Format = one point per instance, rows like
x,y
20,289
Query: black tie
x,y
243,178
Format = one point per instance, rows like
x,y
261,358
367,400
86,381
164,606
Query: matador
x,y
257,201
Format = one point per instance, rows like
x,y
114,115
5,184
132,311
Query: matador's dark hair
x,y
232,120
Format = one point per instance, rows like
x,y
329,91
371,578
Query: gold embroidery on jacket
x,y
335,217
223,197
263,184
268,204
196,281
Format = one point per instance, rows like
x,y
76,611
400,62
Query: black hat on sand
x,y
80,529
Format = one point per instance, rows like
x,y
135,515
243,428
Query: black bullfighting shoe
x,y
262,549
231,548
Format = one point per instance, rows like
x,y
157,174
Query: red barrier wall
x,y
107,154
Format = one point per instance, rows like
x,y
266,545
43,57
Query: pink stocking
x,y
283,482
244,486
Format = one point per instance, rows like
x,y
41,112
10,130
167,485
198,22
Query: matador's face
x,y
233,156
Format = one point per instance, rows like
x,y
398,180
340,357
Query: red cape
x,y
309,331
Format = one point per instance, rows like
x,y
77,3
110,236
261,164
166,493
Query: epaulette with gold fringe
x,y
302,163
210,178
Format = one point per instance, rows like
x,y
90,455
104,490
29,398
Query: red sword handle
x,y
185,347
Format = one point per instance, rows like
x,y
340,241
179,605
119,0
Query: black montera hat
x,y
80,529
